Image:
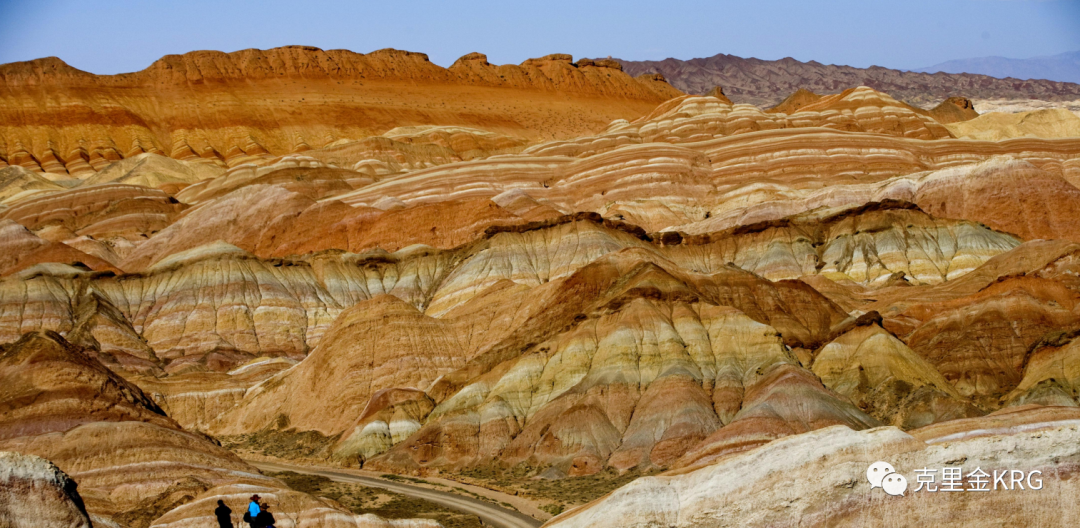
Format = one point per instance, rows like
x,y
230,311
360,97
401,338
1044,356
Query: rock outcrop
x,y
23,249
377,344
819,478
995,126
881,375
34,493
153,170
18,183
954,110
1051,375
106,211
602,397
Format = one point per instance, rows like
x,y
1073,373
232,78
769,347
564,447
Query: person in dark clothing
x,y
265,519
223,514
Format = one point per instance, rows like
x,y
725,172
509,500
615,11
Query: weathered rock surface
x,y
951,110
980,342
23,249
954,110
18,183
217,306
881,375
1051,375
819,478
133,463
1049,123
88,121
34,493
871,111
154,170
103,211
197,397
993,191
681,290
856,109
380,343
620,324
698,166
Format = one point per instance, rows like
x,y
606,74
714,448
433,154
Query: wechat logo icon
x,y
883,475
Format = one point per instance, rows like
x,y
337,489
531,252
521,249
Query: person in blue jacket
x,y
253,511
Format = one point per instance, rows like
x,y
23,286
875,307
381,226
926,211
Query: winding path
x,y
491,514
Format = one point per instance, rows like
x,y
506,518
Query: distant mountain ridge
x,y
1063,67
768,82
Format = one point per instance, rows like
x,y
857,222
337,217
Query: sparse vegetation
x,y
560,494
414,480
387,504
290,445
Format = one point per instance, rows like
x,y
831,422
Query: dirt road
x,y
491,514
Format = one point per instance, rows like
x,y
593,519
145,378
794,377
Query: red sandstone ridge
x,y
215,106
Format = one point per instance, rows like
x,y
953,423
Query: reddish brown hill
x,y
220,106
794,102
954,110
768,82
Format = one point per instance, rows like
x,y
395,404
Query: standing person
x,y
223,514
252,516
265,518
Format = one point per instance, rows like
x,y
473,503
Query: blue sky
x,y
115,36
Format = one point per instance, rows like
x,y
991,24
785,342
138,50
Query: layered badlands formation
x,y
1012,106
818,479
135,466
228,108
1049,123
691,286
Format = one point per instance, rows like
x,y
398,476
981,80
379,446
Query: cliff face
x,y
225,107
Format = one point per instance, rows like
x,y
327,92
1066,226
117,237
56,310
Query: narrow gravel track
x,y
491,514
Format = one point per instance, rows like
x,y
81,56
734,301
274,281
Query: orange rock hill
x,y
223,107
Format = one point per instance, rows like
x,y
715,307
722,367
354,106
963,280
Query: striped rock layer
x,y
266,103
691,289
132,463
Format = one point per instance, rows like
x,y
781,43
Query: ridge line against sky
x,y
127,35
